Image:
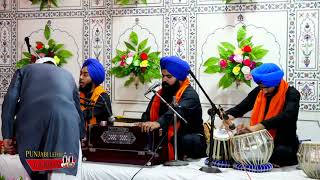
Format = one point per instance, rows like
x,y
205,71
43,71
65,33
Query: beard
x,y
168,91
87,88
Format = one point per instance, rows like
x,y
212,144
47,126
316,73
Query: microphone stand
x,y
212,114
174,162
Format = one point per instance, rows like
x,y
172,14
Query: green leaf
x,y
226,81
142,45
47,32
248,82
144,1
211,61
64,54
134,38
212,69
22,62
26,54
228,46
35,2
258,64
259,53
54,2
51,43
57,47
241,34
154,55
147,50
129,46
224,54
129,81
246,42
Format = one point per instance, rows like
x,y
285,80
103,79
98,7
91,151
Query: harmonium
x,y
125,143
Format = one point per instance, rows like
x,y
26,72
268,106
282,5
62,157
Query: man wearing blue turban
x,y
275,107
95,101
191,142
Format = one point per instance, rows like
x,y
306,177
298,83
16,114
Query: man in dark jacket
x,y
191,142
95,101
44,99
275,107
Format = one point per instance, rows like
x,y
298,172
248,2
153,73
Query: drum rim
x,y
221,138
311,143
246,134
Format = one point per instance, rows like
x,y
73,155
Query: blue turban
x,y
95,69
175,66
268,74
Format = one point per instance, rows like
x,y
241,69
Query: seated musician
x,y
191,142
275,107
95,102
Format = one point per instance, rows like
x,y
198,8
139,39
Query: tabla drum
x,y
221,145
309,159
252,148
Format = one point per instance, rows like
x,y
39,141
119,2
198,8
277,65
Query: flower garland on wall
x,y
51,49
236,62
137,62
45,3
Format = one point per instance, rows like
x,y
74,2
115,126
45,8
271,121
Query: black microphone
x,y
111,118
224,116
151,88
26,39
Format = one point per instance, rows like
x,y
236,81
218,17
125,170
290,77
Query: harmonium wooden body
x,y
123,142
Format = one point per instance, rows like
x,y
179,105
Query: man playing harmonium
x,y
275,107
191,142
95,102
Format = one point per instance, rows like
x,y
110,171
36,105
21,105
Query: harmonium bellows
x,y
123,142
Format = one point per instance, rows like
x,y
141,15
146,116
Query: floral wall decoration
x,y
236,62
50,49
137,62
45,3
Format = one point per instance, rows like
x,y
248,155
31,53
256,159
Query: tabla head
x,y
309,159
222,134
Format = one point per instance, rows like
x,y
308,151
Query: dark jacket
x,y
189,108
285,123
45,100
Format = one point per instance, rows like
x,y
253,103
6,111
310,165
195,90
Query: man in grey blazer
x,y
42,110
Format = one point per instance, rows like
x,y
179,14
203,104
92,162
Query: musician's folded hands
x,y
149,126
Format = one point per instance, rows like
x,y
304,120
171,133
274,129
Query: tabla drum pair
x,y
309,159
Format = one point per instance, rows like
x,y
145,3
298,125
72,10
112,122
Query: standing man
x,y
95,101
275,107
191,142
45,101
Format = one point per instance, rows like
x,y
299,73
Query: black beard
x,y
168,91
87,88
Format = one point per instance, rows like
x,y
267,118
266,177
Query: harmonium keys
x,y
123,143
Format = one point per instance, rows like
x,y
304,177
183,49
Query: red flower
x,y
33,58
223,63
123,57
144,56
122,63
246,62
247,49
39,45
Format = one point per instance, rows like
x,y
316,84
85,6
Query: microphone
x,y
151,88
224,116
111,118
26,39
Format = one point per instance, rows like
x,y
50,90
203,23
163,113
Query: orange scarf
x,y
275,107
154,114
95,95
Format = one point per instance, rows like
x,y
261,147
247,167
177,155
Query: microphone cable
x,y
154,153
